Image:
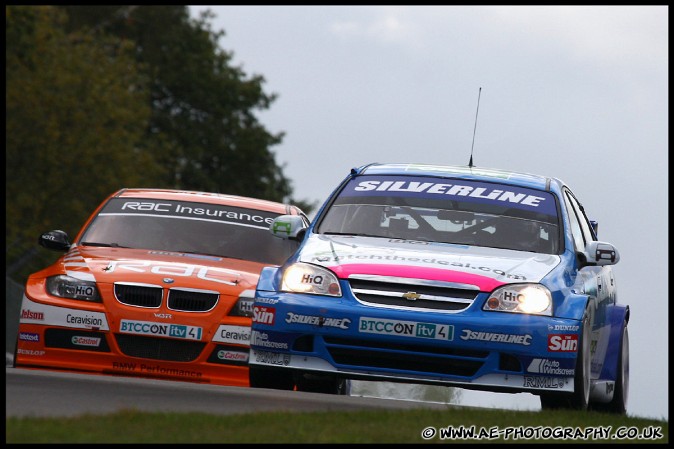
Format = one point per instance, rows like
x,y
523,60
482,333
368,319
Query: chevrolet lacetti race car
x,y
458,276
158,283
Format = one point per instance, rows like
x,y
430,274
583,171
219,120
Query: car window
x,y
584,222
576,229
187,227
434,209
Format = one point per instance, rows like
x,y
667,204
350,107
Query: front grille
x,y
364,354
183,300
159,348
140,295
394,292
192,300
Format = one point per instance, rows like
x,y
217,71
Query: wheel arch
x,y
618,317
574,307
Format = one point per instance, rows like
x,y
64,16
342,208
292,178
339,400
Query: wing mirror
x,y
288,227
601,253
55,240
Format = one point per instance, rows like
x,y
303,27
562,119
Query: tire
x,y
618,404
326,384
277,379
580,398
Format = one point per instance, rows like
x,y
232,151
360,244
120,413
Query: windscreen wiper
x,y
111,245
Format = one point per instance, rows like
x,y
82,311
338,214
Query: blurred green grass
x,y
130,426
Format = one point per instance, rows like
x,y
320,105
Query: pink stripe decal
x,y
484,283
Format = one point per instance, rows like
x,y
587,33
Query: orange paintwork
x,y
112,337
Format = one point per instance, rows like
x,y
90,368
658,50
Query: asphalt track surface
x,y
57,394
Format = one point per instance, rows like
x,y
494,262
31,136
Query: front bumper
x,y
472,349
83,340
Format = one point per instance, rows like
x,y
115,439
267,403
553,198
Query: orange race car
x,y
157,283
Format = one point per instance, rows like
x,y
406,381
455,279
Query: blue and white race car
x,y
474,278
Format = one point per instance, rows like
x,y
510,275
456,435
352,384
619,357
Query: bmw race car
x,y
157,283
458,276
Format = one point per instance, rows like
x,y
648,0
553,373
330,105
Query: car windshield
x,y
444,210
188,227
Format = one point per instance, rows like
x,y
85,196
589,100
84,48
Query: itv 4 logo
x,y
435,331
185,332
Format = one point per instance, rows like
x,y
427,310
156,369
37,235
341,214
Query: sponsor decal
x,y
37,313
191,210
156,370
245,305
271,358
29,336
562,342
469,191
160,329
523,339
405,328
233,334
30,352
544,382
232,356
264,315
340,323
211,274
267,300
262,339
546,366
124,366
401,259
88,321
163,315
174,254
86,341
31,315
563,327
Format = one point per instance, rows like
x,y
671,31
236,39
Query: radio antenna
x,y
470,163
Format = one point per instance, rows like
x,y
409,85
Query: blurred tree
x,y
76,112
103,97
201,104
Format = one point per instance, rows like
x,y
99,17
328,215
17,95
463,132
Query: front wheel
x,y
277,379
327,384
618,404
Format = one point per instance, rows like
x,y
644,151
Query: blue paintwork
x,y
332,325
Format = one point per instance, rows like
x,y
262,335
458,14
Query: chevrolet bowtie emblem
x,y
411,296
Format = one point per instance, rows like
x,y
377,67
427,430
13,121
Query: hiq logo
x,y
309,279
84,290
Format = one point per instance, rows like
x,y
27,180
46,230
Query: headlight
x,y
68,287
306,278
521,298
